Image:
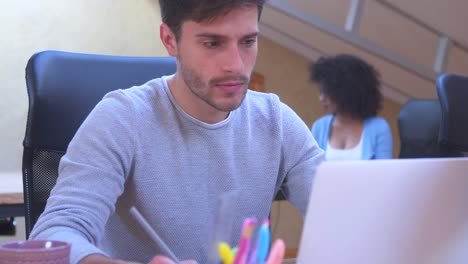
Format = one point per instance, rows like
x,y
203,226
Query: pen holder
x,y
35,252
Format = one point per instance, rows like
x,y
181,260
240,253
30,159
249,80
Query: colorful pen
x,y
260,250
253,254
263,242
225,253
244,244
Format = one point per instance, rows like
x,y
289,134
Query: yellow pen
x,y
225,253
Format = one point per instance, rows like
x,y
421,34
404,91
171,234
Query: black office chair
x,y
63,88
453,95
418,126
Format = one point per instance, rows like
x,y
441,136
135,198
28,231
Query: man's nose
x,y
233,62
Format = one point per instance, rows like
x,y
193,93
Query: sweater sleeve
x,y
384,145
92,175
321,130
302,155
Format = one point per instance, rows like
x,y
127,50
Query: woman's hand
x,y
276,256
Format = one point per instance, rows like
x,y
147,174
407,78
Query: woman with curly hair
x,y
350,94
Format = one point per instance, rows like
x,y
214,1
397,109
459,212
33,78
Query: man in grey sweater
x,y
173,146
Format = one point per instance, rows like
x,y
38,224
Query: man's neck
x,y
192,104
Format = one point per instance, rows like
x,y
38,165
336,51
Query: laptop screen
x,y
388,211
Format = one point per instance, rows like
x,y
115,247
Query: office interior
x,y
409,45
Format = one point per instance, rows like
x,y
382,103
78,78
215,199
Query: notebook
x,y
404,211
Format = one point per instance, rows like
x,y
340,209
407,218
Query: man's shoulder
x,y
264,104
138,94
267,108
148,89
258,101
261,97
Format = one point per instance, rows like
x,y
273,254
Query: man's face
x,y
216,58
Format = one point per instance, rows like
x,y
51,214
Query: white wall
x,y
126,27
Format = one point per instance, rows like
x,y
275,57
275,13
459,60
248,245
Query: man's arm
x,y
100,259
302,156
92,176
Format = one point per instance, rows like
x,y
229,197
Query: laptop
x,y
402,211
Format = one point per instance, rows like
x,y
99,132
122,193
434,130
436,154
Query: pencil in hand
x,y
152,234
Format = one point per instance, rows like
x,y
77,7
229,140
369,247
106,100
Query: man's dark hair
x,y
175,12
350,82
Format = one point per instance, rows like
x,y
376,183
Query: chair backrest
x,y
63,88
418,126
453,95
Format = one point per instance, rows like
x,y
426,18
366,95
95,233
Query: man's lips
x,y
230,87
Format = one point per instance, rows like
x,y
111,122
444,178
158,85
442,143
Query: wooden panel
x,y
257,82
334,11
286,223
449,16
394,32
287,75
290,253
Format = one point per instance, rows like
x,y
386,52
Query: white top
x,y
354,153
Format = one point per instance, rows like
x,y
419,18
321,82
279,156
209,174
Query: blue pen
x,y
263,244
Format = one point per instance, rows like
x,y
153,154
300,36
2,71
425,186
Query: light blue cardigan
x,y
377,138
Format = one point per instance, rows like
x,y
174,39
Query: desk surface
x,y
11,198
11,204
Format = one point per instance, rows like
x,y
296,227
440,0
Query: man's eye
x,y
249,42
211,44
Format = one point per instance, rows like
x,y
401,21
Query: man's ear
x,y
168,39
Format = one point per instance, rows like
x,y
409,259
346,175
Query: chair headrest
x,y
453,94
63,88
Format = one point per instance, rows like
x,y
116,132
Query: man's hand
x,y
276,256
165,260
276,253
100,259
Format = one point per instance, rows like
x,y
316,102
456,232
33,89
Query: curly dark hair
x,y
350,82
175,12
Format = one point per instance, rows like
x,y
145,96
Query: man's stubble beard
x,y
196,86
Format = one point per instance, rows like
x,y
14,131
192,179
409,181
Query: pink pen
x,y
244,243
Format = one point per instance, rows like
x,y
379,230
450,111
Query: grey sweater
x,y
139,148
